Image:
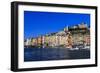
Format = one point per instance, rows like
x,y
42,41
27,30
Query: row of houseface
x,y
57,39
65,38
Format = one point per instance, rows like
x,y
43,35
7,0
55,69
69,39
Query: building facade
x,y
66,38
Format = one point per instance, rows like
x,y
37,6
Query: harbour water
x,y
44,54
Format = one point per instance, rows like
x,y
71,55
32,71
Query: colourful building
x,y
66,38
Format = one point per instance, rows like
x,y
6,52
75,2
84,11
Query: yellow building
x,y
39,41
33,41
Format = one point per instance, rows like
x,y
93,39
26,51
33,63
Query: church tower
x,y
66,29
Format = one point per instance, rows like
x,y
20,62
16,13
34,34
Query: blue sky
x,y
41,23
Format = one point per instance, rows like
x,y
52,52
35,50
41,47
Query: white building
x,y
27,42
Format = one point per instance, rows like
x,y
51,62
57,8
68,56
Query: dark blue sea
x,y
44,54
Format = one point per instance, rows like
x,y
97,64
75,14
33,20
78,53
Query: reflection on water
x,y
43,54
